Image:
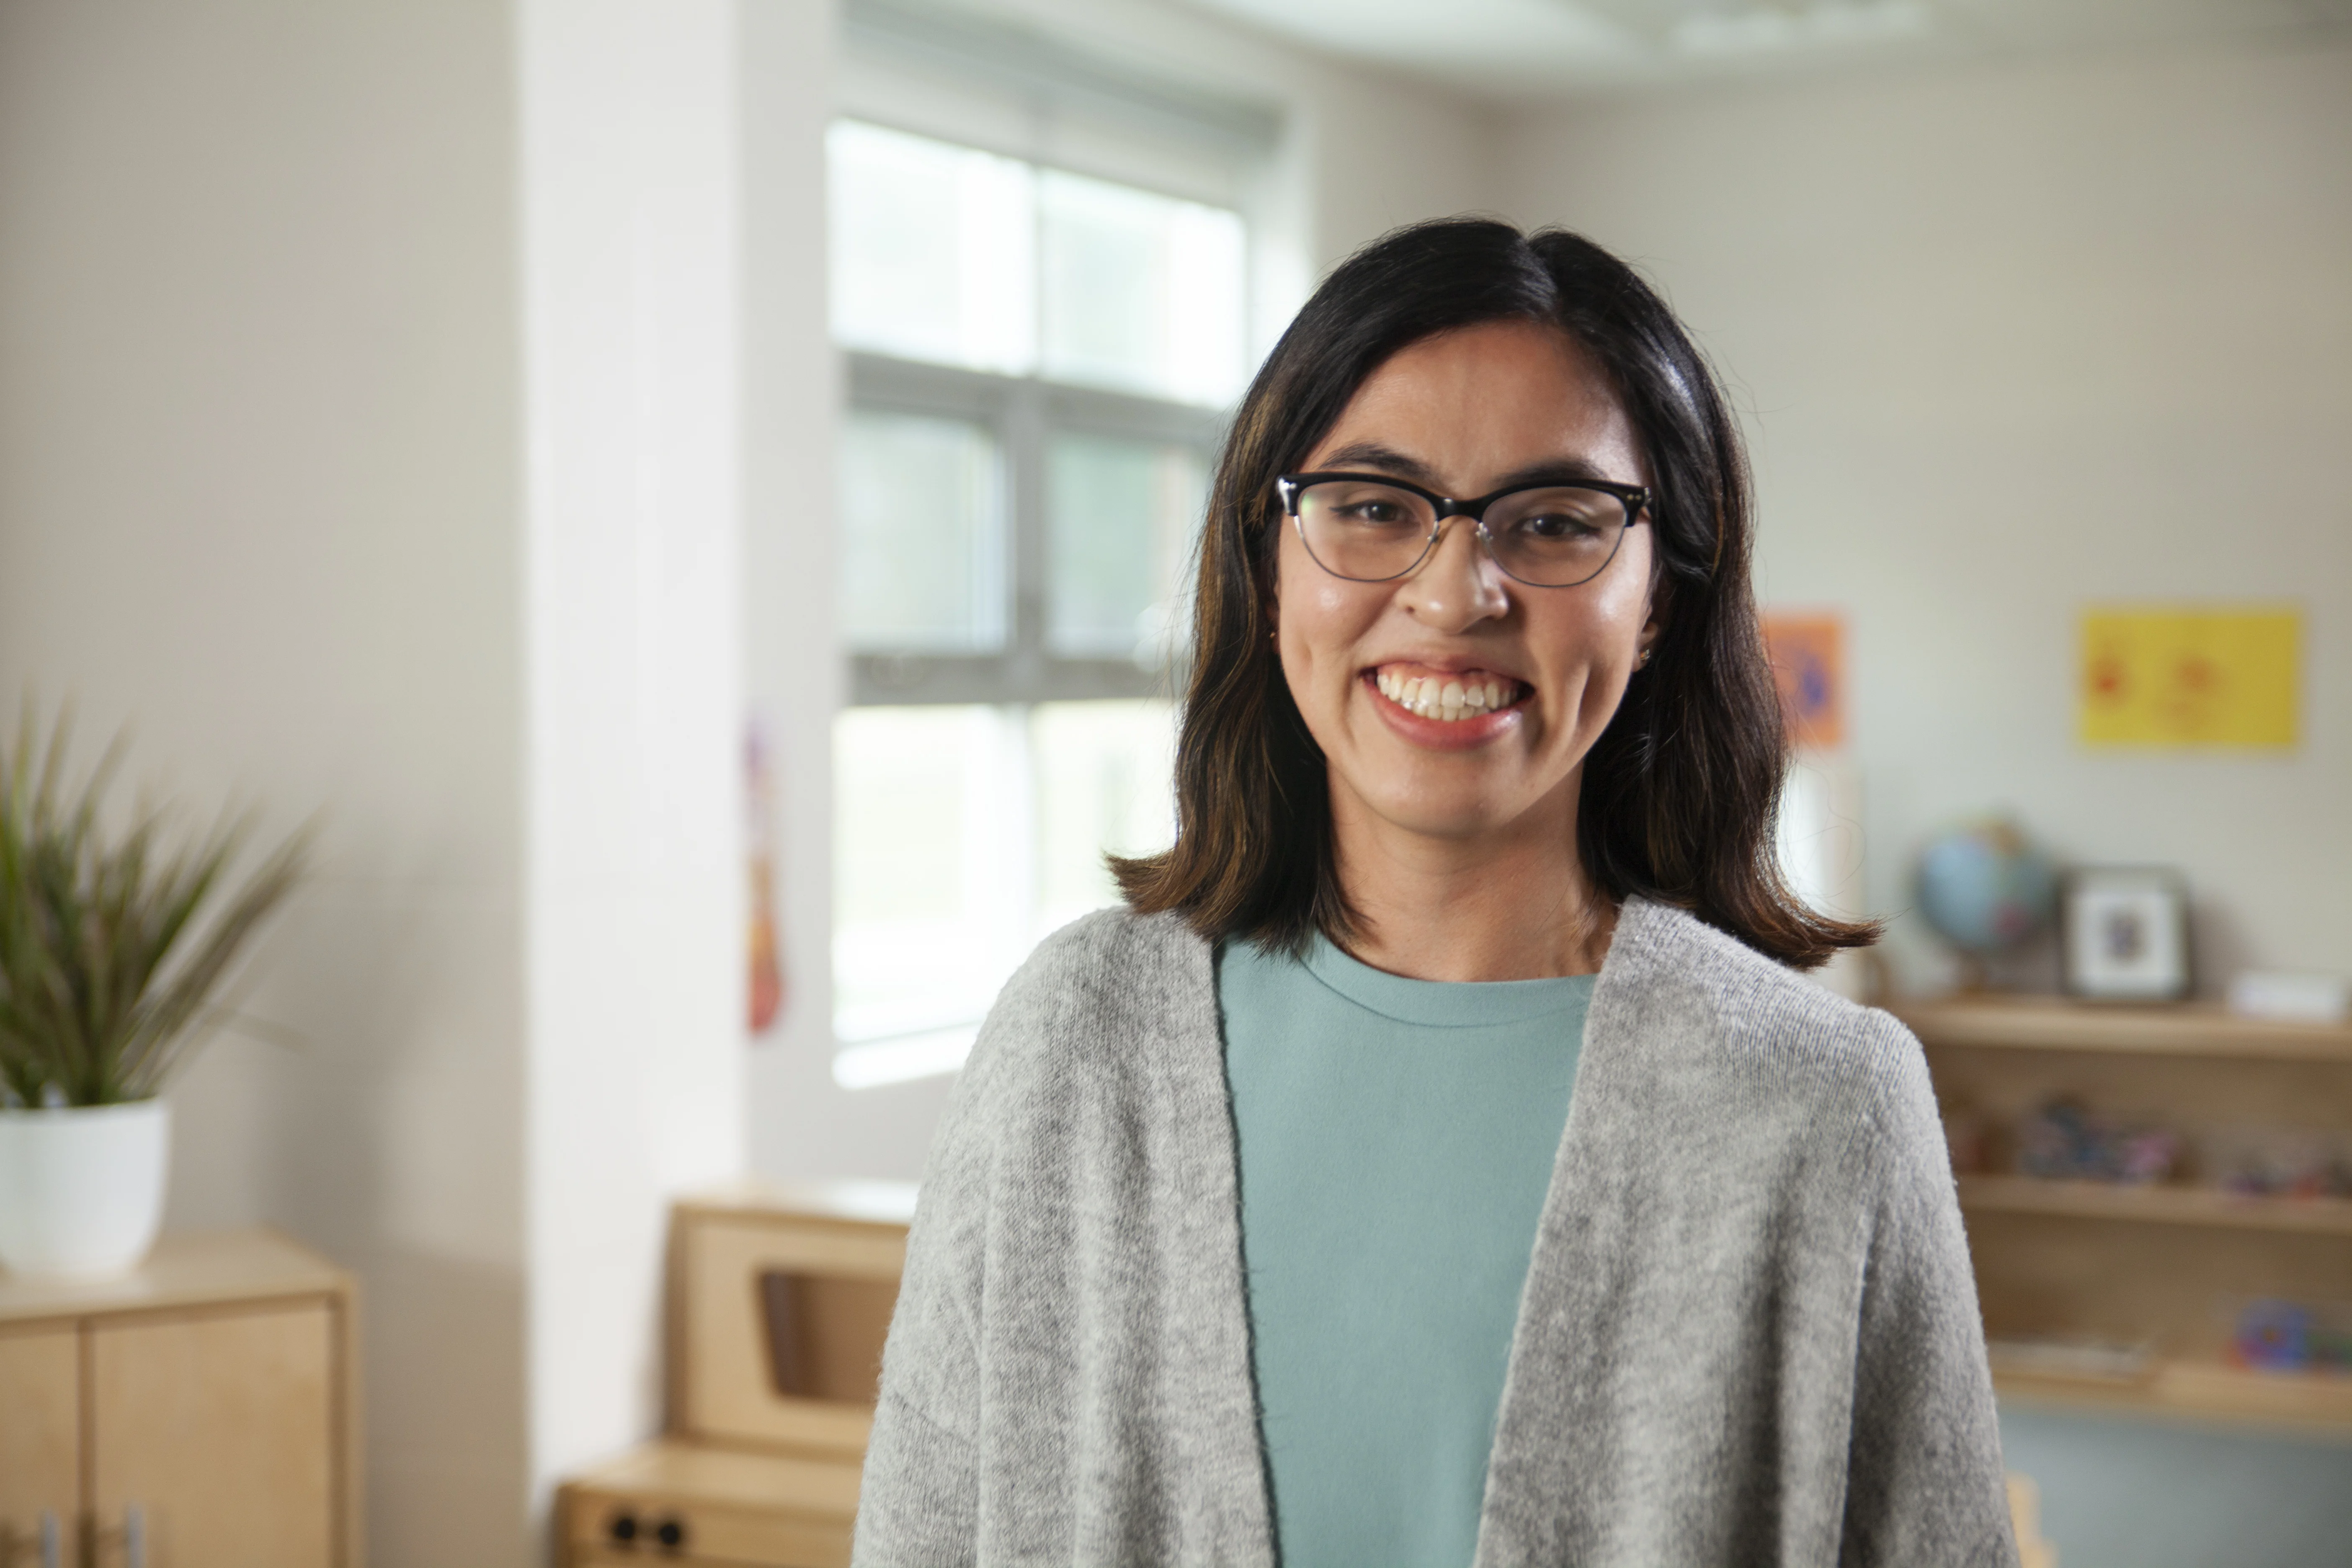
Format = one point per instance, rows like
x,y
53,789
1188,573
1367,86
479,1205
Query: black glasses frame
x,y
1291,487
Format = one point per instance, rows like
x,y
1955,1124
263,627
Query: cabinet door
x,y
221,1430
40,1434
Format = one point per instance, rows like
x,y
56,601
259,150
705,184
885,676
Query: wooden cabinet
x,y
696,1503
2163,1267
779,1302
194,1414
40,1434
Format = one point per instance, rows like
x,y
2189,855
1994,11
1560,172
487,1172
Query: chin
x,y
1436,814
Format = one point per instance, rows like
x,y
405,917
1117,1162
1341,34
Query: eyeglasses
x,y
1369,528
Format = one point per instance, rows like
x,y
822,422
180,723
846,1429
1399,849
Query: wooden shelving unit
x,y
2155,1204
2182,1389
778,1300
2188,1029
2166,1264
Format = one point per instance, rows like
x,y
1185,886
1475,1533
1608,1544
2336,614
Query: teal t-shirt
x,y
1396,1139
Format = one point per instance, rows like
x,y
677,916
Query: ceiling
x,y
1519,49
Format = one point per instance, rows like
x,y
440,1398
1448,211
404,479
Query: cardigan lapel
x,y
1554,1340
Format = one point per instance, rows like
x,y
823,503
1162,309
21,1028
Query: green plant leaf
x,y
112,945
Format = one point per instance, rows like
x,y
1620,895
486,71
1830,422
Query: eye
x,y
1555,525
1375,510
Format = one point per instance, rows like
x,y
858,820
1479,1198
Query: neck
x,y
1510,903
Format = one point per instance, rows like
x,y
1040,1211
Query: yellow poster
x,y
2167,675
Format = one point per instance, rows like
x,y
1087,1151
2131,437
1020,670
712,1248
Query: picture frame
x,y
2124,933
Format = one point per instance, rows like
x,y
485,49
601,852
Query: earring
x,y
1644,661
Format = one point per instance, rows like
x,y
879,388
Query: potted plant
x,y
115,941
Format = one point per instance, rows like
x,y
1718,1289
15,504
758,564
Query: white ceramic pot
x,y
81,1188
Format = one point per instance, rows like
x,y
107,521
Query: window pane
x,y
1142,292
933,251
1105,781
923,553
1121,516
931,872
963,835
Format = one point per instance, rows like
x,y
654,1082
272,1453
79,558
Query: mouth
x,y
1447,697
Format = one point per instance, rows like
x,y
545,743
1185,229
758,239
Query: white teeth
x,y
1434,697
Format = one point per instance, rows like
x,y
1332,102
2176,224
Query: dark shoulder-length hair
x,y
1680,792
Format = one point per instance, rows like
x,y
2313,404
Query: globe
x,y
1984,889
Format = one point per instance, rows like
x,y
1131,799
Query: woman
x,y
1438,1161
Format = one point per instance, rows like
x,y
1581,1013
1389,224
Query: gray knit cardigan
x,y
1748,1333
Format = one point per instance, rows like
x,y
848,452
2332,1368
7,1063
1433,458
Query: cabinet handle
x,y
134,1537
53,1543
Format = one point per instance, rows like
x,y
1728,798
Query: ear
x,y
1655,627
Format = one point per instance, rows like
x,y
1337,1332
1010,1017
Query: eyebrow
x,y
1389,460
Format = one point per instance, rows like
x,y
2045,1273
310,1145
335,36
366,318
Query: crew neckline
x,y
1444,1003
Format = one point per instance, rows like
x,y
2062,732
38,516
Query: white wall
x,y
2010,340
799,1122
258,487
370,406
632,797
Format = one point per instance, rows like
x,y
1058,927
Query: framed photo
x,y
2124,933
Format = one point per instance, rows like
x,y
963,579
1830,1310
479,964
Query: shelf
x,y
2155,1204
2204,1391
2055,1023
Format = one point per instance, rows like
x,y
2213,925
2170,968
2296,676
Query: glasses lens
x,y
1556,537
1355,528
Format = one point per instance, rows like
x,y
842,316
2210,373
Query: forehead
x,y
1487,400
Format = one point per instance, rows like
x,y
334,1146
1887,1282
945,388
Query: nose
x,y
1457,584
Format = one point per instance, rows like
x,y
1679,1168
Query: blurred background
x,y
589,447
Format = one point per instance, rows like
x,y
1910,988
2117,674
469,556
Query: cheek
x,y
1623,607
1319,616
1601,633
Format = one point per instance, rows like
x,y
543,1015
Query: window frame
x,y
1023,414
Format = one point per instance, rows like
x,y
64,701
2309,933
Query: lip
x,y
1439,734
1450,664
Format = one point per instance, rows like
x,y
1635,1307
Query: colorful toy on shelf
x,y
2282,1163
1968,1141
2274,1335
2063,1141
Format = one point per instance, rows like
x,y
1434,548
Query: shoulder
x,y
1109,969
1096,1080
1670,975
1104,990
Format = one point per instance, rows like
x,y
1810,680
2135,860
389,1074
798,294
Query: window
x,y
1039,360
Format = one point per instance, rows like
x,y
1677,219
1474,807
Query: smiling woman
x,y
1438,1162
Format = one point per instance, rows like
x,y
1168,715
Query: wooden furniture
x,y
2033,1549
2164,1266
195,1413
779,1299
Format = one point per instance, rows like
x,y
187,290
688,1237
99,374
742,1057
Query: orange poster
x,y
1808,654
2162,675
